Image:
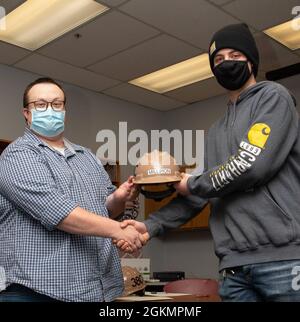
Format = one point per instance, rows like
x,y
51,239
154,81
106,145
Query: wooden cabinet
x,y
3,145
113,171
198,222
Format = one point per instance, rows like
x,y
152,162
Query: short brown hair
x,y
40,81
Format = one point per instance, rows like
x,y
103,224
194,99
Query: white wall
x,y
87,111
293,85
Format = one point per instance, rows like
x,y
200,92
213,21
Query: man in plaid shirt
x,y
55,203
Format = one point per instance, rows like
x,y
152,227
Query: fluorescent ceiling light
x,y
184,73
287,33
35,22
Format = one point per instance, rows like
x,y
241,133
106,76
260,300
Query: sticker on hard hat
x,y
133,281
152,172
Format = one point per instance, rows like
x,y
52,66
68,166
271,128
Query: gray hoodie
x,y
251,178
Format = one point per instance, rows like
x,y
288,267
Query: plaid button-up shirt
x,y
39,187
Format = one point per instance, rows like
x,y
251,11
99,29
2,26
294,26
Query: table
x,y
169,297
194,298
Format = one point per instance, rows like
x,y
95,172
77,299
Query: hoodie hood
x,y
252,90
249,92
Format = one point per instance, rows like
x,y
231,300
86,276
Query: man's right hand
x,y
139,226
129,238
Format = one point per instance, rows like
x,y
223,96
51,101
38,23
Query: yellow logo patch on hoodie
x,y
258,134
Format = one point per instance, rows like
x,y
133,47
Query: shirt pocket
x,y
94,183
63,178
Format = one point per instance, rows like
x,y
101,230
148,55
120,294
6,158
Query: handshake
x,y
132,236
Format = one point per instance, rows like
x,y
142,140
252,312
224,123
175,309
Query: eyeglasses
x,y
42,106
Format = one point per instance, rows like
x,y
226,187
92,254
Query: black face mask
x,y
232,74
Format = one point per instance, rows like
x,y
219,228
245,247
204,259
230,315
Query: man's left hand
x,y
127,191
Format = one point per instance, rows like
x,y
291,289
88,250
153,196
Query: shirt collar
x,y
73,147
29,135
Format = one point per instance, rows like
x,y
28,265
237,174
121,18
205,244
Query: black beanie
x,y
239,37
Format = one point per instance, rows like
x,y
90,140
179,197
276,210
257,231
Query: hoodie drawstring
x,y
234,115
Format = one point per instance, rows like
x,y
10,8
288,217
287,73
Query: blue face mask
x,y
48,123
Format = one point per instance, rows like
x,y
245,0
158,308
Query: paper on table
x,y
165,294
133,298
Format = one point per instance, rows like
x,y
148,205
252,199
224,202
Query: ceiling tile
x,y
64,72
111,3
194,21
272,54
10,54
10,5
198,91
143,97
262,14
150,56
104,36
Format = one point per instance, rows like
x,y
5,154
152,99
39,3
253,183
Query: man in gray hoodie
x,y
251,179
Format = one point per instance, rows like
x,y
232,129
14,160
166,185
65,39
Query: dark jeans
x,y
265,282
20,293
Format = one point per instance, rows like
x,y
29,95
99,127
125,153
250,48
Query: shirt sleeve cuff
x,y
65,208
153,228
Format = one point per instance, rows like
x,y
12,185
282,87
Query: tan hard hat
x,y
133,281
156,167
